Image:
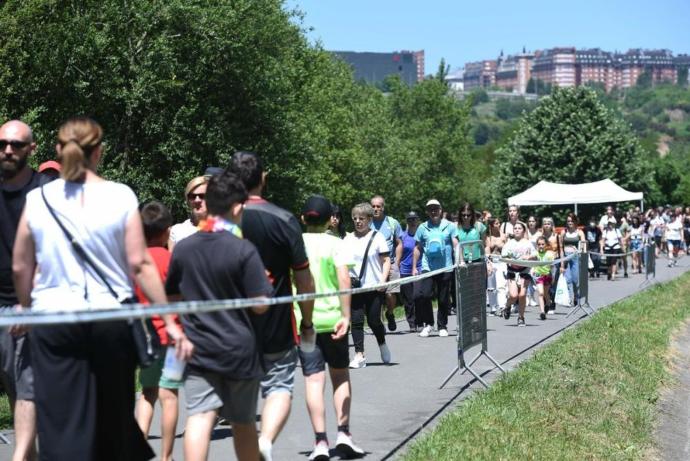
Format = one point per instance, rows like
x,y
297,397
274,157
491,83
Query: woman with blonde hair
x,y
195,197
84,373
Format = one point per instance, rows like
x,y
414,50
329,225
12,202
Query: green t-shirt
x,y
326,253
546,256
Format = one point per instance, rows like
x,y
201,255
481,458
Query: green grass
x,y
5,414
589,395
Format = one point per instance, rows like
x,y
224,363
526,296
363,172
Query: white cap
x,y
433,202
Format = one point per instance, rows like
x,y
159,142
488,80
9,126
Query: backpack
x,y
435,248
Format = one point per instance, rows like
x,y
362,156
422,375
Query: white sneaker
x,y
358,362
443,332
265,448
385,353
347,447
321,452
426,331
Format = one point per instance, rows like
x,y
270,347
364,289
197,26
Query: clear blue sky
x,y
462,30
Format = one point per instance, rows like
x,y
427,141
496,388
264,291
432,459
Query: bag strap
x,y
78,248
366,254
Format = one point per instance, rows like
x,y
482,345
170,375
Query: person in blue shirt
x,y
436,242
408,290
390,229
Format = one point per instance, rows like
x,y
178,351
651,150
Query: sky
x,y
462,31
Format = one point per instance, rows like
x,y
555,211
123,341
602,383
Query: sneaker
x,y
521,322
442,332
320,452
392,326
358,362
542,316
625,275
493,310
426,331
506,312
413,329
265,448
347,447
385,353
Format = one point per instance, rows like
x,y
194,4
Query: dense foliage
x,y
179,85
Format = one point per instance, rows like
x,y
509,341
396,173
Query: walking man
x,y
16,145
278,237
390,228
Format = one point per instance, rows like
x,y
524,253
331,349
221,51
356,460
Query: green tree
x,y
571,137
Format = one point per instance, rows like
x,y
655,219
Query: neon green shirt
x,y
544,256
326,253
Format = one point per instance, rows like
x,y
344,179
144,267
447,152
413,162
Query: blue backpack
x,y
435,247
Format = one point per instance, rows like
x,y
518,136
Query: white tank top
x,y
64,281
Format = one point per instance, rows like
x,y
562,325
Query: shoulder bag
x,y
356,282
147,344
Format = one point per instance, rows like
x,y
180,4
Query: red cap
x,y
50,164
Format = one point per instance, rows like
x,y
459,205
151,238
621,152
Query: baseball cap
x,y
412,215
318,207
433,202
50,164
212,171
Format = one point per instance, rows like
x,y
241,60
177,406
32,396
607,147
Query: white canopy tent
x,y
550,193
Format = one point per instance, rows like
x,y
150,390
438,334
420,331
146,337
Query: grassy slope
x,y
589,395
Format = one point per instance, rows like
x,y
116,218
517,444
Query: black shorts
x,y
327,351
523,272
611,260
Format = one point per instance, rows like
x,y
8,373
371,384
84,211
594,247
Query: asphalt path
x,y
392,404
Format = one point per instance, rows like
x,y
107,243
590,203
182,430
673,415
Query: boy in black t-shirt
x,y
224,371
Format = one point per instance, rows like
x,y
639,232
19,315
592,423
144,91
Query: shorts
x,y
523,272
153,376
16,373
544,279
280,372
394,275
635,245
234,398
657,240
674,243
327,351
611,260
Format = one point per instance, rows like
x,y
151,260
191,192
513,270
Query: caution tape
x,y
617,255
531,262
137,310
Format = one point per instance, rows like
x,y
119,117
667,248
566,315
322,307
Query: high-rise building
x,y
513,72
658,63
596,66
375,67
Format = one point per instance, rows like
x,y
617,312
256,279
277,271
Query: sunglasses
x,y
13,143
464,215
192,196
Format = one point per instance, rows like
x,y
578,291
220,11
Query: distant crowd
x,y
74,240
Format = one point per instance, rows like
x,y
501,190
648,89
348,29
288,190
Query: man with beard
x,y
16,144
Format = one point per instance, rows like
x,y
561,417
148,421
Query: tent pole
x,y
642,206
576,209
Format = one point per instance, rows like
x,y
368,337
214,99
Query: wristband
x,y
305,327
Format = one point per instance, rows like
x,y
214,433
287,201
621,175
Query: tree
x,y
571,137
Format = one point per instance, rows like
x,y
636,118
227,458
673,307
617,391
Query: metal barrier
x,y
650,261
470,285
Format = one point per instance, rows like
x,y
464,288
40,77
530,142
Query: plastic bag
x,y
590,263
562,294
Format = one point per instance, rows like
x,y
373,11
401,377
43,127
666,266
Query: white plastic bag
x,y
590,263
562,295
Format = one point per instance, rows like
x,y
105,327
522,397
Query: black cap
x,y
412,215
317,207
212,171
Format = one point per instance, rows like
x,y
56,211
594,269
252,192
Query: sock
x,y
344,428
321,437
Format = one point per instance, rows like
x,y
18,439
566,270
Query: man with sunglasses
x,y
18,178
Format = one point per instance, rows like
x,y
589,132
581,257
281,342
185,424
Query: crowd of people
x,y
74,240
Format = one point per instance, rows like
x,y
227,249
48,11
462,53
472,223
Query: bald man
x,y
16,145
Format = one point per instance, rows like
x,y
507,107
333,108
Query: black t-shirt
x,y
11,206
278,237
207,266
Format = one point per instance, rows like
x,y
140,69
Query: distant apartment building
x,y
456,80
513,72
375,67
568,67
480,74
658,63
596,66
555,66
